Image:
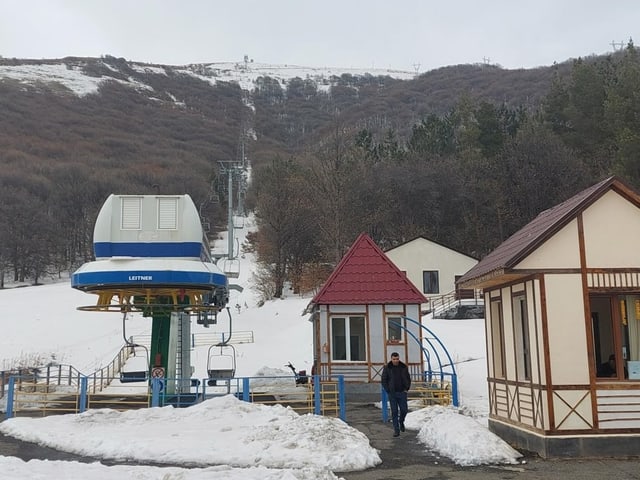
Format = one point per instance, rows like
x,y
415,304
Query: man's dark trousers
x,y
399,409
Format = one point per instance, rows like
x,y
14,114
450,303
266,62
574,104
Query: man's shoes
x,y
402,427
396,434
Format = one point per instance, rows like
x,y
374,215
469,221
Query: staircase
x,y
439,304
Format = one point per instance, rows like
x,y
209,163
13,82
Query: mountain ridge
x,y
80,74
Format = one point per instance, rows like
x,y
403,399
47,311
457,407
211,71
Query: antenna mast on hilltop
x,y
247,61
416,67
617,45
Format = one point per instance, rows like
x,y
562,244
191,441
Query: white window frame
x,y
401,321
347,326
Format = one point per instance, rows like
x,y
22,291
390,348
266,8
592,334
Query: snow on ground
x,y
44,324
239,434
72,78
458,437
246,74
223,437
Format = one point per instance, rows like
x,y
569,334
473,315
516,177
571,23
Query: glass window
x,y
521,325
430,282
394,329
616,335
339,338
352,328
358,340
497,339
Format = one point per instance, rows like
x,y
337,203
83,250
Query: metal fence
x,y
435,388
439,304
205,338
26,396
68,375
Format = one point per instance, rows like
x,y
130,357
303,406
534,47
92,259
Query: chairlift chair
x,y
221,365
132,376
238,221
231,267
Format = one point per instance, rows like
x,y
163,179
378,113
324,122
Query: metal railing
x,y
27,397
441,303
5,374
63,375
68,375
203,339
433,389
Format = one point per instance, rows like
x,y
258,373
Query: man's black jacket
x,y
390,374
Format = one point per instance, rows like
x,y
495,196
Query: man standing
x,y
396,381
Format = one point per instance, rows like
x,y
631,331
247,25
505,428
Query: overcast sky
x,y
401,34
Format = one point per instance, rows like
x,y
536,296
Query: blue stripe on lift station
x,y
151,277
147,249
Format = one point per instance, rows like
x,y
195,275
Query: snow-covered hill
x,y
79,75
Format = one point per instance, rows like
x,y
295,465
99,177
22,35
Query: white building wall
x,y
572,409
347,309
378,349
611,231
376,325
566,327
420,254
617,408
108,227
324,334
560,251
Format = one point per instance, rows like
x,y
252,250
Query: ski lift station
x,y
152,256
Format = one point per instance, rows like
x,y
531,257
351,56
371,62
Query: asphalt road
x,y
404,458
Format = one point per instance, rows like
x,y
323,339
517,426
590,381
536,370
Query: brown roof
x,y
366,276
515,248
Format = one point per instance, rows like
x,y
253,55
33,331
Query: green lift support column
x,y
169,352
160,339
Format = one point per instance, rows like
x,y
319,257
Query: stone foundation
x,y
602,445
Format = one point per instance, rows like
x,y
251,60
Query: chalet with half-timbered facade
x,y
562,298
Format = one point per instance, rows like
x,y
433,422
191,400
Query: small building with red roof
x,y
359,317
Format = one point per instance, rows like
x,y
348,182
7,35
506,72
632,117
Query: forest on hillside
x,y
467,178
463,155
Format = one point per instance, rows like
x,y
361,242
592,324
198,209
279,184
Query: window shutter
x,y
131,213
167,214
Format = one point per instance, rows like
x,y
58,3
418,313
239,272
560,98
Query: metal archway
x,y
430,372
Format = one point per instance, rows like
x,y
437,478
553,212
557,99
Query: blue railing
x,y
320,397
435,387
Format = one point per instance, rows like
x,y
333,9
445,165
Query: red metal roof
x,y
366,276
